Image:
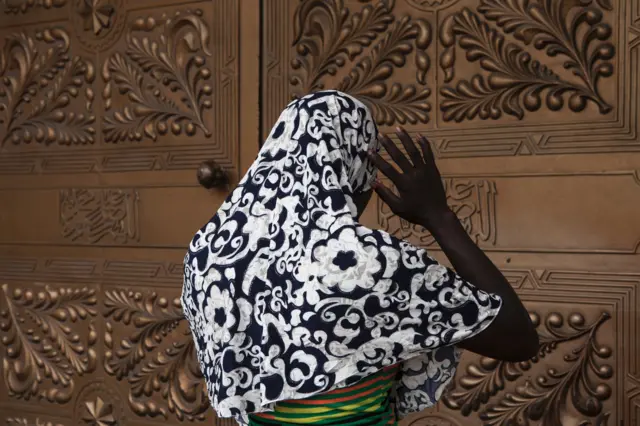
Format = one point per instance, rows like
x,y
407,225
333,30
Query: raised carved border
x,y
74,270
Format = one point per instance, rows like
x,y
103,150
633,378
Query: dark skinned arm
x,y
422,200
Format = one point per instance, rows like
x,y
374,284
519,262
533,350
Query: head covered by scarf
x,y
288,296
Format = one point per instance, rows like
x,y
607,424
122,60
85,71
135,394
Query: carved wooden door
x,y
106,109
532,108
108,106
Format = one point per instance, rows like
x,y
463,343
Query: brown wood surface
x,y
108,106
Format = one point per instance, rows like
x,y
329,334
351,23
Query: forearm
x,y
466,257
474,266
422,199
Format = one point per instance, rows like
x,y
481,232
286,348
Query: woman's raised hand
x,y
422,199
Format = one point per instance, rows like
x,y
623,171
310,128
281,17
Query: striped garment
x,y
367,403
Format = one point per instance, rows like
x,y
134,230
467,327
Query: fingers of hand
x,y
396,155
409,146
426,150
387,196
387,169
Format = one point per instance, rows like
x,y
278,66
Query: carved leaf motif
x,y
328,35
172,372
481,382
178,375
177,93
561,28
40,343
582,383
22,421
39,80
368,79
605,4
515,82
22,6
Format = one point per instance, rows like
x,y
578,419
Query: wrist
x,y
441,221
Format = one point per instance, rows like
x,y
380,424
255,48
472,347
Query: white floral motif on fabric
x,y
288,296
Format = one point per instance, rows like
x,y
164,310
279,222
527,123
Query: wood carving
x,y
165,79
99,413
473,201
580,385
329,36
515,82
39,79
98,404
48,339
431,5
22,6
22,421
99,215
514,78
152,372
97,14
433,420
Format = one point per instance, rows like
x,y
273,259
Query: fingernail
x,y
399,129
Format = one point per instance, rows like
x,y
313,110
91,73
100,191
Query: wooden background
x,y
108,106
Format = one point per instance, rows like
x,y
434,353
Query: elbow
x,y
525,343
526,346
531,345
534,344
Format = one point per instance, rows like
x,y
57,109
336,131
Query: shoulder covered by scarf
x,y
288,296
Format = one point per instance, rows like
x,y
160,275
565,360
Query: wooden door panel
x,y
105,216
165,86
531,107
106,110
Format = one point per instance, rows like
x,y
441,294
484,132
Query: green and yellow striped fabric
x,y
364,404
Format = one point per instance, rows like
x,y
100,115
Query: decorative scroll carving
x,y
22,421
43,341
433,420
473,201
39,80
493,59
516,82
431,5
95,215
328,36
165,79
22,6
172,374
580,384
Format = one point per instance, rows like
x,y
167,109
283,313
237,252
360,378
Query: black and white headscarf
x,y
288,296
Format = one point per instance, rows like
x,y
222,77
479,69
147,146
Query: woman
x,y
301,315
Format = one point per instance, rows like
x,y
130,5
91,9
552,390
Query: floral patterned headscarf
x,y
288,296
